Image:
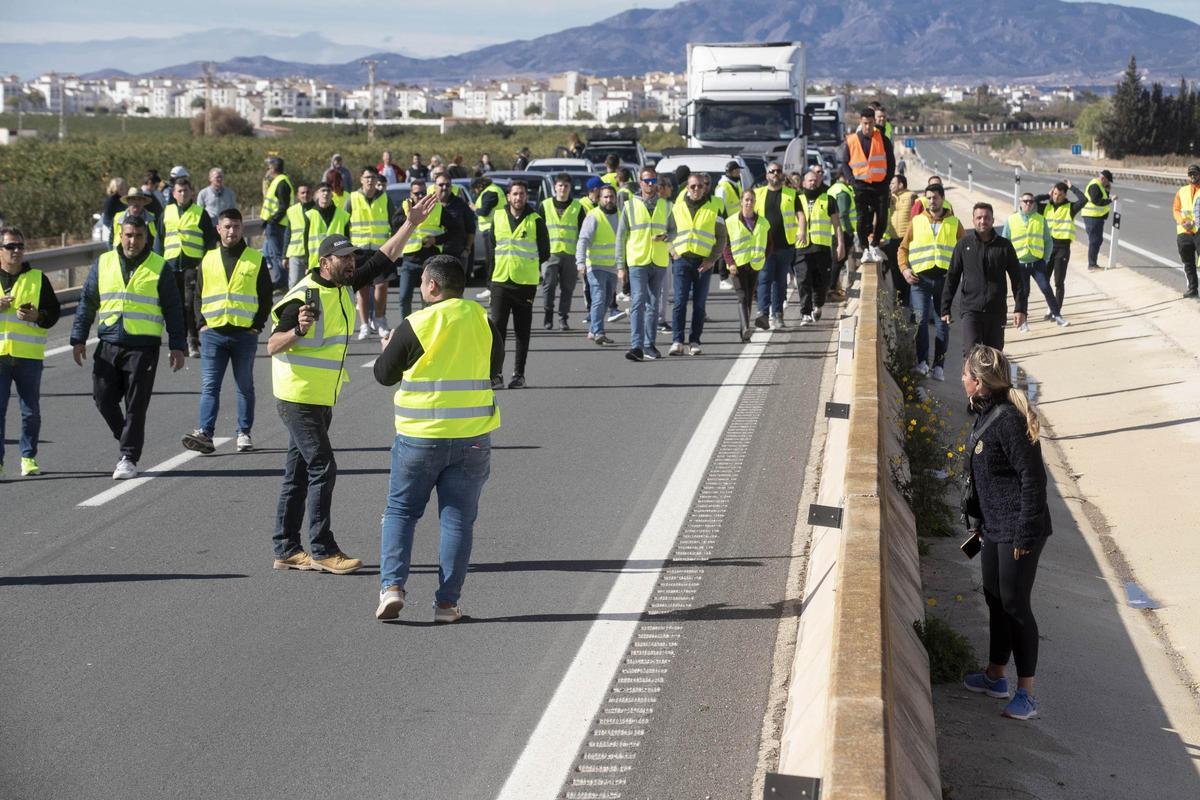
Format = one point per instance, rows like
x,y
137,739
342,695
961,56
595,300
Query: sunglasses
x,y
774,172
650,180
14,245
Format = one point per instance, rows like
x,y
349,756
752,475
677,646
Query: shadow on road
x,y
123,577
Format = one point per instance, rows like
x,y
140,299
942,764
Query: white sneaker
x,y
590,335
486,294
938,374
244,445
676,349
620,313
806,320
364,331
1062,323
1023,327
816,314
695,350
125,469
622,297
391,603
442,615
726,284
922,368
381,326
777,322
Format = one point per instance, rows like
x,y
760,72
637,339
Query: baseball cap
x,y
1106,174
180,171
275,161
732,165
335,246
594,183
1193,169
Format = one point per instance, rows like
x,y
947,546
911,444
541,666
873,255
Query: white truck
x,y
748,95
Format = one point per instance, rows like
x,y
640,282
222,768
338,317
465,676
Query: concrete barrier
x,y
865,726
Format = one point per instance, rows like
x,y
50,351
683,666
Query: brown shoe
x,y
298,560
338,564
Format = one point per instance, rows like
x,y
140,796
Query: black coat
x,y
1010,480
981,267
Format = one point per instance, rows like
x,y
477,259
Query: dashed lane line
x,y
66,348
156,471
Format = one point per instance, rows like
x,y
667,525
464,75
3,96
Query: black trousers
x,y
185,282
979,327
513,299
489,259
1060,257
872,204
1188,244
124,374
812,278
309,475
1007,587
892,268
745,283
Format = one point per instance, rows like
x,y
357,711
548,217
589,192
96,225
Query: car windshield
x,y
745,122
597,153
826,130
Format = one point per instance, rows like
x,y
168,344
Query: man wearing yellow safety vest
x,y
323,219
445,411
881,121
868,160
1060,214
233,299
596,251
1030,237
297,245
137,203
816,246
924,256
611,163
522,245
1187,237
779,204
642,250
312,327
980,263
564,218
426,242
842,194
187,234
132,292
28,308
696,236
371,212
488,197
1095,211
277,197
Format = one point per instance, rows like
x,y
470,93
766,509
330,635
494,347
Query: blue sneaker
x,y
1022,706
981,683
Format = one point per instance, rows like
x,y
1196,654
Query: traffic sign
x,y
1076,149
910,143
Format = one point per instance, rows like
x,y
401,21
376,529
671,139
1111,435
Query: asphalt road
x,y
1147,241
147,648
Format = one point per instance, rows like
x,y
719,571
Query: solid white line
x,y
546,760
1154,206
370,363
66,348
147,476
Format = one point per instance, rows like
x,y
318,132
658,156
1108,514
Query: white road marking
x,y
370,363
1154,206
66,348
543,766
147,476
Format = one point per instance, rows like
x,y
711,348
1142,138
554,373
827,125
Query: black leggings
x,y
1007,585
1060,257
516,300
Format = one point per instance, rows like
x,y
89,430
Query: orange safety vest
x,y
870,168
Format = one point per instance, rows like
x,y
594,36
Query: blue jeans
x,y
689,282
410,279
645,284
926,299
274,236
1040,272
458,468
603,287
1095,233
217,350
26,373
309,474
772,280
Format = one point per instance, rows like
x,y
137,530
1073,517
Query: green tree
x,y
581,114
533,110
1090,121
1125,124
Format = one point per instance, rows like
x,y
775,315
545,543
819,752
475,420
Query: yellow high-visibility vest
x,y
1058,219
1028,236
230,300
135,304
369,223
485,221
318,230
181,232
516,250
297,246
730,195
787,208
602,252
430,226
564,229
270,206
1090,209
641,248
820,224
749,247
313,370
1186,199
18,338
151,225
927,251
695,234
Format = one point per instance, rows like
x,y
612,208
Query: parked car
x,y
556,165
539,183
601,142
707,161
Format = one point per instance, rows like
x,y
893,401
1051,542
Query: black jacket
x,y
981,268
1010,480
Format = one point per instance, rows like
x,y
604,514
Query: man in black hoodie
x,y
980,262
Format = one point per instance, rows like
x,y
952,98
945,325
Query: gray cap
x,y
180,171
336,245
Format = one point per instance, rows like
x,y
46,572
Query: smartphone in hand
x,y
972,545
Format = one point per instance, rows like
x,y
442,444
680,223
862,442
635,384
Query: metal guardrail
x,y
1149,176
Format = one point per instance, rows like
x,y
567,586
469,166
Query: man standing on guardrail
x,y
135,296
981,261
277,197
232,300
1187,238
28,308
924,256
188,234
1095,211
1060,216
867,158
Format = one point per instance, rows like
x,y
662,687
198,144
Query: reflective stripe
x,y
446,413
229,311
147,298
309,361
21,337
444,386
241,298
140,315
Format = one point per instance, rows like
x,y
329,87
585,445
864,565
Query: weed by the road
x,y
950,653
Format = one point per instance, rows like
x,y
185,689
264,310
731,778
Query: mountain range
x,y
857,40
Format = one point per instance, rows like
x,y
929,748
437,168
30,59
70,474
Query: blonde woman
x,y
1010,515
113,204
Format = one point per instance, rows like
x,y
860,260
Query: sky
x,y
410,26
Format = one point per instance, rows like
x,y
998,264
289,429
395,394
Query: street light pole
x,y
370,64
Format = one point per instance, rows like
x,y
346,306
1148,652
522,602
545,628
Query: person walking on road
x,y
696,230
981,261
816,249
1095,211
488,198
188,234
313,323
431,238
216,196
564,218
371,213
277,196
1187,237
843,195
297,243
642,251
1060,214
323,219
596,250
780,205
747,248
1030,237
522,245
869,161
1006,508
233,299
137,204
445,411
28,309
135,297
924,255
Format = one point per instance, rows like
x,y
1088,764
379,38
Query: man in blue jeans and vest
x,y
697,231
445,411
1095,211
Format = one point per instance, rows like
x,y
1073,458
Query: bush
x,y
223,122
950,653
